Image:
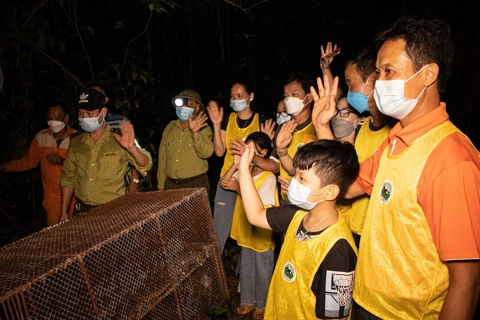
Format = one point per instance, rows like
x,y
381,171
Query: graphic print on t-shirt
x,y
338,292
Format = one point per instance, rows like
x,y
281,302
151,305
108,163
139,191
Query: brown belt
x,y
186,180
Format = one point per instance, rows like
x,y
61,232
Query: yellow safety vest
x,y
248,236
399,272
366,143
233,131
299,139
289,295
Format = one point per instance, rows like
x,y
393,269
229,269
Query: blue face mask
x,y
90,124
358,100
283,117
238,105
184,112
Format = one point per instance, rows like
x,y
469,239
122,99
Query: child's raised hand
x,y
247,157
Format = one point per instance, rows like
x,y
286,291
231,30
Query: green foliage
x,y
216,311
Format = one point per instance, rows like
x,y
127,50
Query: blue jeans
x,y
256,269
224,204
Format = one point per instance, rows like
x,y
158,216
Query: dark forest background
x,y
149,50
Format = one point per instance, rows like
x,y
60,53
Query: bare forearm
x,y
463,290
254,209
324,132
218,141
266,164
287,163
140,158
354,191
230,172
67,194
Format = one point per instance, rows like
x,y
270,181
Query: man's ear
x,y
106,100
67,117
332,192
430,74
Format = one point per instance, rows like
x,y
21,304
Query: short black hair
x,y
334,162
58,103
365,62
426,41
262,140
304,79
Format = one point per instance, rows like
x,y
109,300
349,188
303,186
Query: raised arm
x,y
254,209
127,141
219,136
237,147
324,107
284,138
326,59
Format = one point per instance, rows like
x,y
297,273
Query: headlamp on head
x,y
179,102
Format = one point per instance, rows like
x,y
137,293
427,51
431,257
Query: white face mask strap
x,y
363,88
417,72
420,93
317,194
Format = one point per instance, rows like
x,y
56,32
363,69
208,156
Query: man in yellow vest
x,y
420,247
296,132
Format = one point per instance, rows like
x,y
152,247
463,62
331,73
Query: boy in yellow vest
x,y
313,277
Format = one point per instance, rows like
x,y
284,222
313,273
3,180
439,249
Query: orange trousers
x,y
53,206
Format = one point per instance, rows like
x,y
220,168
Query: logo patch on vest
x,y
289,274
386,192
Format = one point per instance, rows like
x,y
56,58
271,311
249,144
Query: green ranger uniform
x,y
96,171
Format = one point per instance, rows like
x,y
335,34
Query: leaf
x,y
42,42
216,311
62,46
91,30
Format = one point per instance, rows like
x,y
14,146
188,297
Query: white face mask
x,y
238,105
91,124
298,195
56,126
390,99
294,105
281,118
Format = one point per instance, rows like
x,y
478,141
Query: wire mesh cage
x,y
150,255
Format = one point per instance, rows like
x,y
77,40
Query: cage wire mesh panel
x,y
150,255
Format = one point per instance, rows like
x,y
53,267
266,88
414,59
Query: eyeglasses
x,y
283,114
344,113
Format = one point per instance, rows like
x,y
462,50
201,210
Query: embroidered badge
x,y
83,98
386,191
289,274
109,154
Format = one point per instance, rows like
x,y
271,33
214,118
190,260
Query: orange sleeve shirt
x,y
449,187
42,145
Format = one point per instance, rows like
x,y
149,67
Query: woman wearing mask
x,y
346,122
229,134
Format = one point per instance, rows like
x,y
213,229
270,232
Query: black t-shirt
x,y
279,219
243,123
